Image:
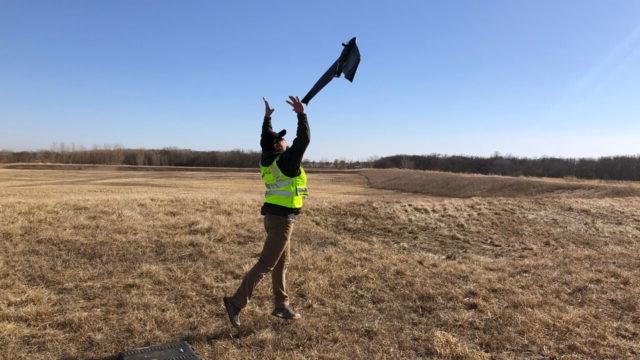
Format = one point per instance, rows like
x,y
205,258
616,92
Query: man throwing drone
x,y
286,187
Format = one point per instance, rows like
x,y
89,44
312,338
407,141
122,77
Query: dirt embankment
x,y
470,185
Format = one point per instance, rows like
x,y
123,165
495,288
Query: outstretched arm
x,y
291,159
266,124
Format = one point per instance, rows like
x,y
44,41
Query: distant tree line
x,y
62,154
608,168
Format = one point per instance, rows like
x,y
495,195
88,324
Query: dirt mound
x,y
467,185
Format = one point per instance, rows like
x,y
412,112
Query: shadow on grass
x,y
191,339
111,357
219,336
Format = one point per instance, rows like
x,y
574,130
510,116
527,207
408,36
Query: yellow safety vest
x,y
281,189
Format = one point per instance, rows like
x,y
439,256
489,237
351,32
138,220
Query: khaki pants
x,y
274,258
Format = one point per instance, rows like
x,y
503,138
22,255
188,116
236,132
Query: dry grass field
x,y
97,261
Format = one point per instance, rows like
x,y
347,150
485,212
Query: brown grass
x,y
96,262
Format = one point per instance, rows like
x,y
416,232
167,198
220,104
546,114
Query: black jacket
x,y
289,161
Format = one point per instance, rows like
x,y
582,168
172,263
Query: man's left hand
x,y
298,107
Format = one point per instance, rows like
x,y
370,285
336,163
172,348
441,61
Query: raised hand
x,y
267,110
298,107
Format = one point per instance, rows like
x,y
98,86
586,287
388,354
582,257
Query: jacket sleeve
x,y
266,129
289,162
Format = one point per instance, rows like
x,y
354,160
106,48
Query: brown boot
x,y
285,312
232,310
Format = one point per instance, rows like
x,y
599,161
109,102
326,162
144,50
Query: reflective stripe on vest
x,y
279,192
275,170
278,184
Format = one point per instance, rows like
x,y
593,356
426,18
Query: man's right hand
x,y
267,110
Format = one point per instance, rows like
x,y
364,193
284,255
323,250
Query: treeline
x,y
121,156
606,168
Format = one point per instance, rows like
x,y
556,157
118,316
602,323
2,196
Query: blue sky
x,y
527,78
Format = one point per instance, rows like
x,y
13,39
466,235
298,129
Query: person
x,y
286,187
